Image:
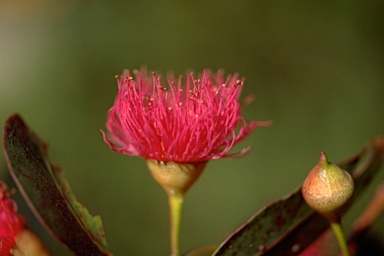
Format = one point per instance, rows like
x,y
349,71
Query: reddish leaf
x,y
287,226
47,194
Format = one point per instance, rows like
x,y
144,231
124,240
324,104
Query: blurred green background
x,y
315,68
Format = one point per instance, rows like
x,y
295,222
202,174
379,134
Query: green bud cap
x,y
175,178
328,189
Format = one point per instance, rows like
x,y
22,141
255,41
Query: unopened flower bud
x,y
15,238
328,189
28,244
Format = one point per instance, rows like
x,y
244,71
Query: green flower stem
x,y
175,207
175,179
336,227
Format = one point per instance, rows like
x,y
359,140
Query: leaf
x,y
287,226
94,223
47,192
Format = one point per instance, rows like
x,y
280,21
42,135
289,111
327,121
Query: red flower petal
x,y
10,222
194,122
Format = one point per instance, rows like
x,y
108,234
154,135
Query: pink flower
x,y
195,122
10,222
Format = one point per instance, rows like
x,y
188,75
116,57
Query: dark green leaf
x,y
47,192
287,226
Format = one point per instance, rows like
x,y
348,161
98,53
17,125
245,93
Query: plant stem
x,y
336,227
175,207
